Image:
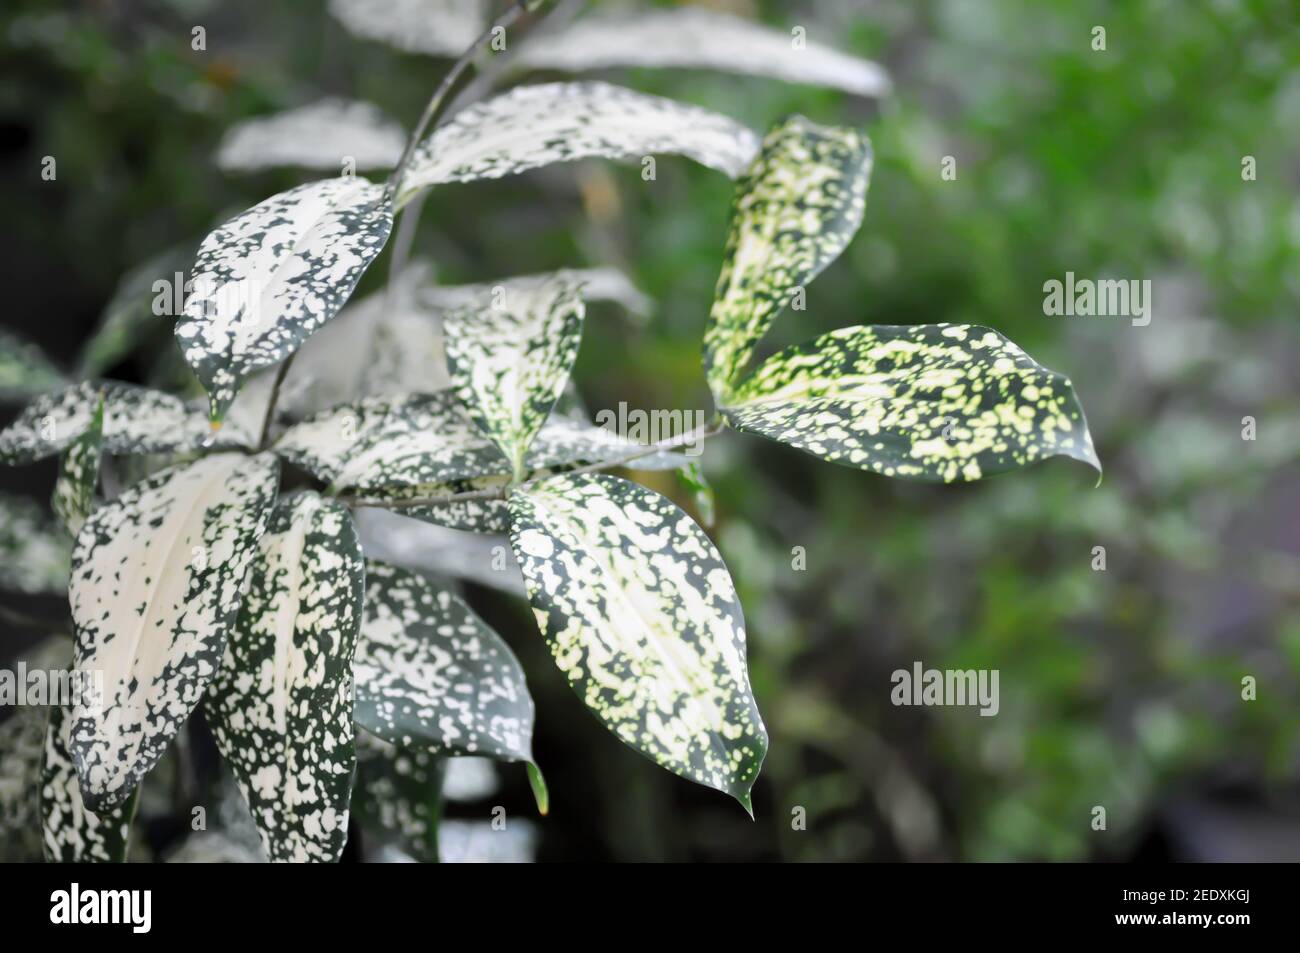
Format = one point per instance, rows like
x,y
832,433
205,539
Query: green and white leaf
x,y
72,833
320,135
24,369
436,27
510,355
642,617
431,674
485,515
795,211
137,420
398,796
157,576
533,126
696,38
35,556
269,277
281,707
74,490
938,402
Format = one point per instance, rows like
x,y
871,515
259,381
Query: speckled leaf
x,y
34,553
156,582
404,441
398,796
794,212
641,616
438,27
272,275
510,355
281,708
697,38
136,420
430,673
24,369
320,135
72,833
74,490
534,126
927,402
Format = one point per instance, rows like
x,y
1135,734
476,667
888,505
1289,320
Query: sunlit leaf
x,y
641,616
272,275
794,212
930,402
281,707
156,583
533,126
697,38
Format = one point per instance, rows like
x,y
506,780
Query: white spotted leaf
x,y
157,578
794,212
269,277
430,674
510,358
74,490
397,798
939,402
71,832
534,126
693,37
281,708
642,617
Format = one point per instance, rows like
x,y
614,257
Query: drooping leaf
x,y
281,708
533,126
510,356
156,580
321,135
937,402
697,38
72,833
405,441
398,796
24,369
272,275
437,27
74,490
35,556
430,673
795,211
641,616
136,420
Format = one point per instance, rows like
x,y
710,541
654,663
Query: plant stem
x,y
501,493
281,373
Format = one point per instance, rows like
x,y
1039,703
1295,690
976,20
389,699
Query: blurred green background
x,y
1119,688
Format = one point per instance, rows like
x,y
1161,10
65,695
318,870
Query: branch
x,y
502,493
281,373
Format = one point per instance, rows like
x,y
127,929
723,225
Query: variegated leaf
x,y
321,135
438,27
156,582
398,796
72,833
281,708
475,515
795,211
927,402
533,126
136,420
399,443
697,38
272,275
34,553
510,355
430,673
641,616
74,490
24,369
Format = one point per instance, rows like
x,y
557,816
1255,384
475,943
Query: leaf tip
x,y
538,783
